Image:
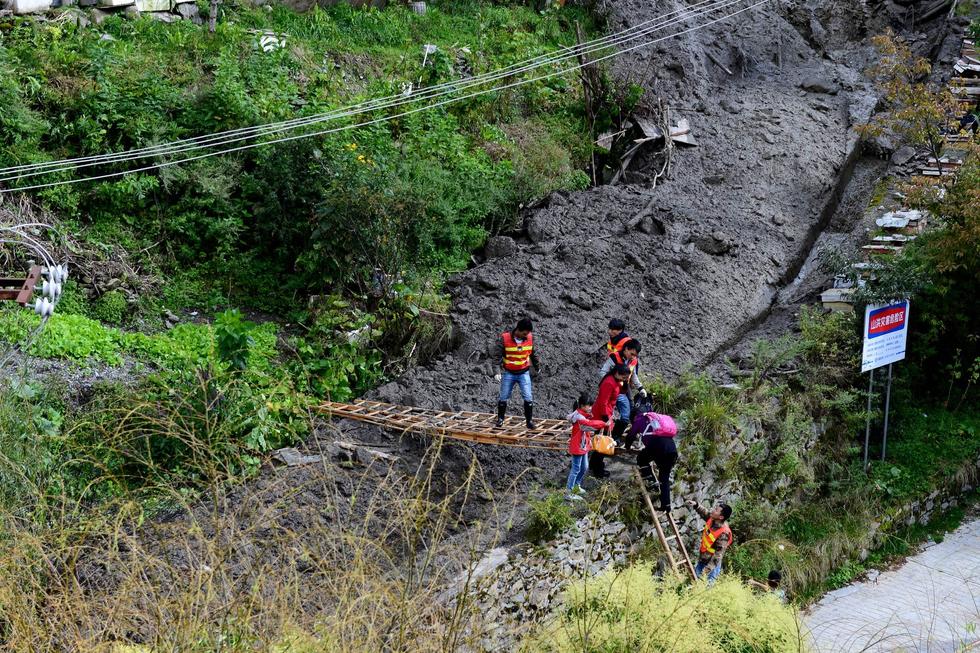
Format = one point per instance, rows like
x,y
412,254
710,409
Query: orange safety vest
x,y
614,350
711,534
517,357
619,360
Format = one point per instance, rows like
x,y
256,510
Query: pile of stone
x,y
515,589
86,12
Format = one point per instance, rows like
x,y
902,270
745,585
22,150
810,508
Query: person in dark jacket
x,y
658,448
617,337
517,355
602,409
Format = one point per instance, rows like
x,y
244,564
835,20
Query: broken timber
x,y
676,561
20,290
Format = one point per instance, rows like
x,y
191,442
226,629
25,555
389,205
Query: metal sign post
x,y
867,423
885,337
888,398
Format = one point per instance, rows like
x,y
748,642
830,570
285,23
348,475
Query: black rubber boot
x,y
618,429
501,411
529,413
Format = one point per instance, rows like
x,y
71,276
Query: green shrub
x,y
412,195
632,610
186,428
73,301
110,308
547,518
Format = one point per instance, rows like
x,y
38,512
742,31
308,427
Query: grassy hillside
x,y
413,196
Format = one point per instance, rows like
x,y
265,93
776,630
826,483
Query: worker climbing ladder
x,y
678,559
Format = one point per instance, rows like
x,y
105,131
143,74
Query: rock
x,y
730,107
164,16
29,6
291,457
187,10
580,299
816,84
817,32
500,247
132,12
98,17
539,228
170,316
77,17
486,280
716,244
635,261
541,308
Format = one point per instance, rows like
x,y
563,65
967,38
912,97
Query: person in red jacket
x,y
579,444
602,409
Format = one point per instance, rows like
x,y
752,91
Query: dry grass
x,y
310,558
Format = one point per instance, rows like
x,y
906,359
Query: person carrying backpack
x,y
580,443
657,433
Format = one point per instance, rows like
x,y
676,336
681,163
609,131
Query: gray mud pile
x,y
697,261
691,265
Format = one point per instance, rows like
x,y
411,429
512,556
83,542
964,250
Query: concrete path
x,y
930,604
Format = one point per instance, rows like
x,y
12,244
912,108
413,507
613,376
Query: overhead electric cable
x,y
451,87
631,33
404,113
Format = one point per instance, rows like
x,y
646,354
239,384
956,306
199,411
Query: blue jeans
x,y
577,473
623,406
507,381
712,575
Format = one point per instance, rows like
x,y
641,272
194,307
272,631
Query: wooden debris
x,y
839,300
718,63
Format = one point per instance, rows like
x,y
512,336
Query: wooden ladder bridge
x,y
469,426
464,425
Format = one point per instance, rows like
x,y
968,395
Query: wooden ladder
x,y
678,558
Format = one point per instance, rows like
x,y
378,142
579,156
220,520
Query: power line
x,y
27,170
391,117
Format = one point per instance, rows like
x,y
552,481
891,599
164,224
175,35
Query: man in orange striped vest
x,y
517,354
715,539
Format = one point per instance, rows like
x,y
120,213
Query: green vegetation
x,y
632,610
410,197
548,517
789,438
346,235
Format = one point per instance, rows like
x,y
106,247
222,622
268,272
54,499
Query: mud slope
x,y
732,225
723,234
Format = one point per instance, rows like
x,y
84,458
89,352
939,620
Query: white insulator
x,y
43,307
51,289
64,273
